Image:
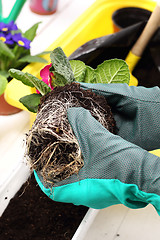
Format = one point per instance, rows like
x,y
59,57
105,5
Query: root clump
x,y
52,147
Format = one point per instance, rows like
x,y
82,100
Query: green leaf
x,y
5,50
31,101
113,71
79,69
30,80
3,84
30,59
90,75
4,73
61,67
21,76
44,53
31,32
59,80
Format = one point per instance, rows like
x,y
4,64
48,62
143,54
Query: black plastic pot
x,y
125,17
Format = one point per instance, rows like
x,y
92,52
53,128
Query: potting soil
x,y
31,215
52,148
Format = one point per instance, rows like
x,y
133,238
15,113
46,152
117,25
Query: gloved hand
x,y
136,111
117,169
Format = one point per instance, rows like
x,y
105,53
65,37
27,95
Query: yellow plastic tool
x,y
137,50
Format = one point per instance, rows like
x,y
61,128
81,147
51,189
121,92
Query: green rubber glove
x,y
136,111
115,170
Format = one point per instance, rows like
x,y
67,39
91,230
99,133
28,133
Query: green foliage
x,y
90,75
15,56
31,32
31,102
30,80
3,84
30,59
79,69
4,73
61,68
113,71
65,72
6,51
110,71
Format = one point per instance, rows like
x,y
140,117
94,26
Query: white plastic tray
x,y
13,170
119,222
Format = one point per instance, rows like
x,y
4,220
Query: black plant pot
x,y
125,17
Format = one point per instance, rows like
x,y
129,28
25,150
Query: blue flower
x,y
6,27
6,38
21,41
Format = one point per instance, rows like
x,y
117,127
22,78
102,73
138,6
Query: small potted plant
x,y
58,90
14,53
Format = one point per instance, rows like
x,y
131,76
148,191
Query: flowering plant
x,y
15,50
47,76
63,71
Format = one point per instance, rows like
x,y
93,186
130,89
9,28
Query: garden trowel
x,y
138,48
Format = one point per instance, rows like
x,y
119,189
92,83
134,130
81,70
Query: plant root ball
x,y
52,148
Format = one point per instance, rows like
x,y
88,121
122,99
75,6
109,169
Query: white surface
x,y
119,222
13,183
13,169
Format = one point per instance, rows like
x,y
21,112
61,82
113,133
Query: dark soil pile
x,y
31,215
52,148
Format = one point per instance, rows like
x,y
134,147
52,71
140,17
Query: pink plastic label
x,y
43,6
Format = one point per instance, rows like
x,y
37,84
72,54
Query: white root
x,y
52,148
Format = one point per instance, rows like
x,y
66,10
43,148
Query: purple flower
x,y
6,38
21,41
5,27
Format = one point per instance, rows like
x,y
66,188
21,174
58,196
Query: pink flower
x,y
46,76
